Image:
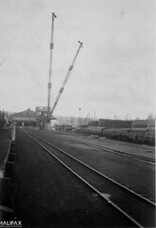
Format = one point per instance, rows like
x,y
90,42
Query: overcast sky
x,y
113,74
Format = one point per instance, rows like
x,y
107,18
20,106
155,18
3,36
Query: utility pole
x,y
50,66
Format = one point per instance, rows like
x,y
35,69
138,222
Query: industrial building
x,y
28,117
143,123
109,123
25,118
44,121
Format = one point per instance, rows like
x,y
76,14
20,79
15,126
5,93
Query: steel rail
x,y
90,186
99,173
125,154
118,152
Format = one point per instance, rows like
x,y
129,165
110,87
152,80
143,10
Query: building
x,y
44,121
25,118
148,123
39,118
108,123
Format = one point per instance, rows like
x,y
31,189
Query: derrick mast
x,y
50,65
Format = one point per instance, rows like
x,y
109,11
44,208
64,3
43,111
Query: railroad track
x,y
107,149
139,210
117,152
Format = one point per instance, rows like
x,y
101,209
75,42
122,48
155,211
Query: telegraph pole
x,y
50,66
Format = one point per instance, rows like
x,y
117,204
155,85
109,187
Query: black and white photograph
x,y
77,113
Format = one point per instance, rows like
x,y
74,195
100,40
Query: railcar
x,y
91,130
135,135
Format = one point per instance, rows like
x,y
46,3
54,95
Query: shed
x,y
25,118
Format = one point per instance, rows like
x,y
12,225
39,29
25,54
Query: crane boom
x,y
66,78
